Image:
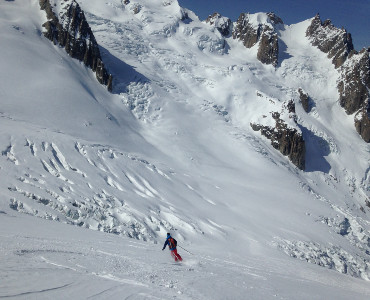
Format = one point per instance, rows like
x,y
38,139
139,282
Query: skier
x,y
172,243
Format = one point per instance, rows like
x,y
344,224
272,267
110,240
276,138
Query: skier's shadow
x,y
123,74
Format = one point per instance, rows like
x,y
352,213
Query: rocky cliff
x,y
259,28
279,125
288,141
69,29
354,87
268,49
304,99
354,82
362,122
337,43
354,69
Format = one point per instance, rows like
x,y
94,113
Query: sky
x,y
352,15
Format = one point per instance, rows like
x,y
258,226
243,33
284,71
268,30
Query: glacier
x,y
171,149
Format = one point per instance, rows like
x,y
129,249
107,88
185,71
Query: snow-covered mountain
x,y
246,140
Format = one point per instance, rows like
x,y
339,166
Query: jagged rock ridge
x,y
71,31
251,32
354,68
354,87
337,43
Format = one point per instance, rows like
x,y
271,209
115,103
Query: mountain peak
x,y
222,24
204,137
259,28
329,39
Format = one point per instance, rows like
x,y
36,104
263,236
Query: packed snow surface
x,y
172,150
47,260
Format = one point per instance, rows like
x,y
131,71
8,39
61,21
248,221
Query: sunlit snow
x,y
172,150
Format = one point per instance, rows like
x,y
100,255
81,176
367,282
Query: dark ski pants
x,y
175,255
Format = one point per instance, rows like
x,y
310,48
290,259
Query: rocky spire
x,y
251,32
70,30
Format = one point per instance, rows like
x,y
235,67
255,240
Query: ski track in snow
x,y
171,150
116,267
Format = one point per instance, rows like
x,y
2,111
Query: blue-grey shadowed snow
x,y
123,74
187,20
316,150
283,54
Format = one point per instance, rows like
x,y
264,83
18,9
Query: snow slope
x,y
172,150
49,260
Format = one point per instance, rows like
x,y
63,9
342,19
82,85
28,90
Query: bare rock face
x,y
288,141
337,43
355,81
246,32
222,24
362,122
268,50
354,68
304,99
354,87
284,137
70,30
252,30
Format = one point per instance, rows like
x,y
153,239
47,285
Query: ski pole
x,y
185,250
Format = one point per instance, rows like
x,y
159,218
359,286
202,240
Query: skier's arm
x,y
165,244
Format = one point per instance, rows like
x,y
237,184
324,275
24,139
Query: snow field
x,y
172,150
44,259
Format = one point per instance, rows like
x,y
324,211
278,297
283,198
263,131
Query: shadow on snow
x,y
123,74
316,150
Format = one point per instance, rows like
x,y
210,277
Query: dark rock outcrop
x,y
354,82
287,140
274,18
304,99
337,43
268,50
71,31
246,32
354,68
362,122
264,34
354,87
222,24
